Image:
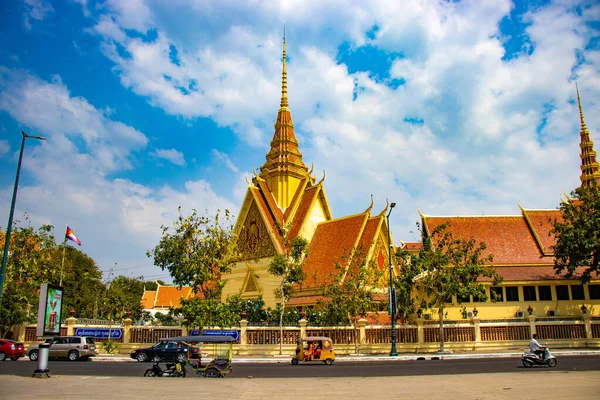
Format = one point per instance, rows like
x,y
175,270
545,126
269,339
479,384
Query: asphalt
x,y
400,357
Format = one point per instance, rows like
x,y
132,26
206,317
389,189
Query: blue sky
x,y
450,107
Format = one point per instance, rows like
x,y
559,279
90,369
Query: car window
x,y
160,345
2,343
58,341
89,340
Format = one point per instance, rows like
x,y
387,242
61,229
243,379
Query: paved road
x,y
339,369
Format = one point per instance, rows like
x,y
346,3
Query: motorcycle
x,y
175,370
531,359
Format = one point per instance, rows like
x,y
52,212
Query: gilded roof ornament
x,y
322,179
368,210
387,205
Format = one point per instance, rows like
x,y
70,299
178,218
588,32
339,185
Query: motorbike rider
x,y
535,347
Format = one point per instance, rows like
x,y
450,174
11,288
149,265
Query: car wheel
x,y
2,356
73,355
14,358
142,357
329,361
212,373
294,361
33,355
181,357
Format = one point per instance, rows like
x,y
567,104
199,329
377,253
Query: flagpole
x,y
62,264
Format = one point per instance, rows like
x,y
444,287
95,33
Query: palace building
x,y
284,192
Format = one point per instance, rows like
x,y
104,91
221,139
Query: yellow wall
x,y
315,217
266,282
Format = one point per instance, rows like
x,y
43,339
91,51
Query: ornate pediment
x,y
254,240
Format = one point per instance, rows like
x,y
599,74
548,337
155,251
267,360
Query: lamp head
x,y
32,137
392,205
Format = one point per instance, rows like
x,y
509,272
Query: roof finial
x,y
284,99
583,127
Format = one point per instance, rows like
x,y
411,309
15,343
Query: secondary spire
x,y
590,169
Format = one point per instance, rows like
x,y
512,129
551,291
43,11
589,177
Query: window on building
x,y
512,293
594,291
529,293
545,293
496,294
577,292
463,299
562,292
477,299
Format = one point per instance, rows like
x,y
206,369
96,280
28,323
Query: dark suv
x,y
71,347
167,350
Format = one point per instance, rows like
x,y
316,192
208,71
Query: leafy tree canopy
x,y
578,234
196,251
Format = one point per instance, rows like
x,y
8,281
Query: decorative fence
x,y
468,333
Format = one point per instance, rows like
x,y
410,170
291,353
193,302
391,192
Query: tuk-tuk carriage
x,y
314,349
219,349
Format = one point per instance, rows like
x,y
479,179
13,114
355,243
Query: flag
x,y
71,236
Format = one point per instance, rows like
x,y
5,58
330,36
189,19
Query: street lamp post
x,y
12,212
392,296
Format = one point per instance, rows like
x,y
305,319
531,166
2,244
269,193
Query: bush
x,y
110,347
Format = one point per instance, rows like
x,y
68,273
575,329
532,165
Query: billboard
x,y
49,310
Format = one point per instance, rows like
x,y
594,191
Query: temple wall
x,y
314,218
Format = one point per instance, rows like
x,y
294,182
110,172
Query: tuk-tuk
x,y
219,349
314,349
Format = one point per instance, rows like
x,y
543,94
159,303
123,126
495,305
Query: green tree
x,y
578,234
351,288
288,267
196,251
450,267
123,295
405,285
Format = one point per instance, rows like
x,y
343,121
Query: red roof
x,y
530,273
508,238
332,240
541,223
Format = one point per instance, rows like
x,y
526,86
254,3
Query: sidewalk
x,y
517,385
354,358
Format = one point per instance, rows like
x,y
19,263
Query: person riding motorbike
x,y
536,348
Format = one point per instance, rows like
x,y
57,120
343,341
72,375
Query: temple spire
x,y
284,170
284,98
590,169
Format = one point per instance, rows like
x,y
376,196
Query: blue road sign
x,y
232,333
195,332
99,333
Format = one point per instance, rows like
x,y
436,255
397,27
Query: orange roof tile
x,y
265,211
332,239
368,236
542,223
148,299
530,273
508,238
305,300
412,246
268,196
169,296
303,209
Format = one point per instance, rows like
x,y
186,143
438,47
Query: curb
x,y
416,357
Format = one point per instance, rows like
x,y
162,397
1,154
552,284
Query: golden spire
x,y
284,98
283,169
590,169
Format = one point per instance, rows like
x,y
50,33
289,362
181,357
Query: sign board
x,y
232,333
100,333
49,310
195,332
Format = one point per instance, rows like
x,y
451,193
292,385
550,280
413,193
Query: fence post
x,y
532,329
127,322
71,321
420,332
302,327
588,326
184,330
362,335
243,328
475,321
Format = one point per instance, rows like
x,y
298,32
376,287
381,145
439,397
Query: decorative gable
x,y
254,240
250,283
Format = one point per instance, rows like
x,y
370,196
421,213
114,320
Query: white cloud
x,y
4,147
36,10
224,158
73,183
172,155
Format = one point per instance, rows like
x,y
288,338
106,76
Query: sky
x,y
447,107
